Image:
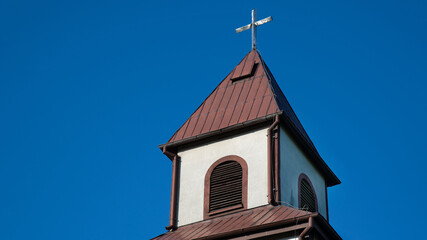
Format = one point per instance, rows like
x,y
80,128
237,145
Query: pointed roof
x,y
248,95
245,94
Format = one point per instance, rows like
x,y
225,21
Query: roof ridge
x,y
291,111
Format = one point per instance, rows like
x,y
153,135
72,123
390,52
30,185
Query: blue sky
x,y
88,89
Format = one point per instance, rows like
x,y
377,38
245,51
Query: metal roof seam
x,y
198,117
203,125
262,101
253,99
234,104
221,108
250,87
216,104
226,106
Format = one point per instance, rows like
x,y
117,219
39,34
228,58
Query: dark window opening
x,y
307,196
226,183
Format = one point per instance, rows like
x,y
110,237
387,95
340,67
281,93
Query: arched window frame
x,y
219,212
305,177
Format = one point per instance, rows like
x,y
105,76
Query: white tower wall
x,y
293,162
195,162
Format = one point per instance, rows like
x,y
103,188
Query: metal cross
x,y
253,26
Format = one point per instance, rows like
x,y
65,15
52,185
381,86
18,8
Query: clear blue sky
x,y
88,89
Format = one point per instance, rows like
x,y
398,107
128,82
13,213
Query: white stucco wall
x,y
293,162
195,162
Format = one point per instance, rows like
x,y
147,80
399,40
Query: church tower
x,y
244,167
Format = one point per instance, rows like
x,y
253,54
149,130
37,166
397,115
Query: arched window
x,y
307,195
226,186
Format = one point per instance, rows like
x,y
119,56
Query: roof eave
x,y
299,222
316,159
323,227
305,142
219,131
331,178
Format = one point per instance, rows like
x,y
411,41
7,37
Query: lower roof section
x,y
257,222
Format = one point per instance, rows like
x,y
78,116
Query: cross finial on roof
x,y
253,26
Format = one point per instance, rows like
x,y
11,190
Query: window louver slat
x,y
226,202
307,196
225,186
224,179
222,192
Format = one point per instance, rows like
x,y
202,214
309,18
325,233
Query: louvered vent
x,y
308,201
225,186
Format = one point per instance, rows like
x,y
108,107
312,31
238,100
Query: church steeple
x,y
243,165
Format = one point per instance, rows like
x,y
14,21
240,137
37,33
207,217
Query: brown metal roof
x,y
245,94
249,93
237,223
